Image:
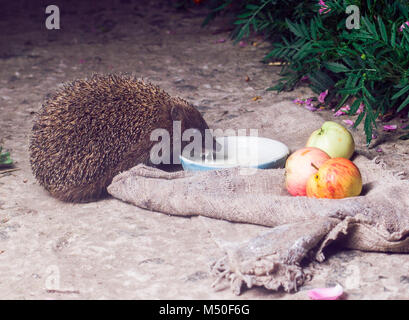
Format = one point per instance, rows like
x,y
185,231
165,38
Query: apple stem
x,y
315,167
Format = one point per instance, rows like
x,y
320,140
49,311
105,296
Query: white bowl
x,y
242,151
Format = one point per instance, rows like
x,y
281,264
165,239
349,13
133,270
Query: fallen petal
x,y
326,293
360,109
322,96
379,150
348,122
390,127
298,101
346,108
342,111
310,107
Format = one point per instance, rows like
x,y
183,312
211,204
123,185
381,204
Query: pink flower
x,y
324,8
305,78
374,136
322,96
348,122
403,26
326,293
360,109
342,111
242,43
390,127
379,149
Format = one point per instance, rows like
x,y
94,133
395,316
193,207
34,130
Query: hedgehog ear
x,y
176,113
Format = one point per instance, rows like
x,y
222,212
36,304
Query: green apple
x,y
334,139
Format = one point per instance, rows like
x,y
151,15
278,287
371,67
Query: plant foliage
x,y
370,63
5,160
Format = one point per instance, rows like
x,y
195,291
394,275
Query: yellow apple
x,y
337,178
334,139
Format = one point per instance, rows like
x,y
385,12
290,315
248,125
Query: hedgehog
x,y
90,130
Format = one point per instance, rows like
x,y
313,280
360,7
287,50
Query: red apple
x,y
337,178
300,166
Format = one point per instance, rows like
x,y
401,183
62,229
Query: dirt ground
x,y
109,249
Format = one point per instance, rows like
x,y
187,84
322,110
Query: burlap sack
x,y
301,227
